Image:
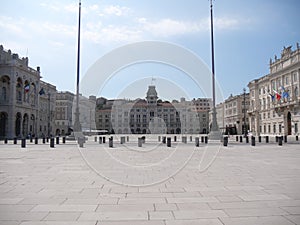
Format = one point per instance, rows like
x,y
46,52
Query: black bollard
x,y
95,139
225,141
100,140
247,139
279,141
237,138
52,142
191,138
127,139
252,140
144,139
111,142
202,139
47,139
36,140
15,140
164,140
23,143
197,141
276,138
44,140
205,139
5,141
285,139
168,142
122,140
31,139
103,140
267,139
64,139
259,139
175,138
241,139
57,140
297,138
140,142
81,141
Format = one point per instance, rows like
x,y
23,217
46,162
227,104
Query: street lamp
x,y
214,134
245,129
77,125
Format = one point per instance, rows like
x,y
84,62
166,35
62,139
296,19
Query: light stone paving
x,y
179,185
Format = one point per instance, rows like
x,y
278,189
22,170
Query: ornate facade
x,y
235,114
274,98
20,85
63,112
151,115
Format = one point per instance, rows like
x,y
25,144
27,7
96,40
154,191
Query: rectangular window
x,y
279,128
274,128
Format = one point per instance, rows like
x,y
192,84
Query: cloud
x,y
116,10
170,27
11,25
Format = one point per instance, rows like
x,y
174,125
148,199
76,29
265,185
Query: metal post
x,y
215,134
245,129
77,125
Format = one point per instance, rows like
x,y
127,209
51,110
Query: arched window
x,y
19,90
4,88
4,94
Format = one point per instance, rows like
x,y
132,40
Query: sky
x,y
246,35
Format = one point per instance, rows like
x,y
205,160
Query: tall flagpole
x,y
77,125
214,133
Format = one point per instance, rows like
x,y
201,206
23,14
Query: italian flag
x,y
27,88
278,96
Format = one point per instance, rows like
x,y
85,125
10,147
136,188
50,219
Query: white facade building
x,y
274,98
151,115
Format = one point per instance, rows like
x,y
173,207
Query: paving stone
x,y
63,216
114,216
269,220
198,214
194,222
64,208
43,186
161,215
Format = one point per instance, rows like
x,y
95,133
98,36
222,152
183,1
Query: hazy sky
x,y
247,35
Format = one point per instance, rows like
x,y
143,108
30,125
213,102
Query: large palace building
x,y
152,115
27,104
274,98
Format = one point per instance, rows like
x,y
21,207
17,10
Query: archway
x,y
3,124
25,125
18,124
289,123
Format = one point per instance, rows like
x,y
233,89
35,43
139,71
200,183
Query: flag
x,y
278,96
272,97
42,92
27,88
285,94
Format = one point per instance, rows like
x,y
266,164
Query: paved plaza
x,y
150,185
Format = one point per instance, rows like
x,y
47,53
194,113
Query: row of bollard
x,y
278,139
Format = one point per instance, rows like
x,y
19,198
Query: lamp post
x,y
49,112
77,125
214,134
245,129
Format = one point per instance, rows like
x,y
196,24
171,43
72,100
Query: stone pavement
x,y
152,185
